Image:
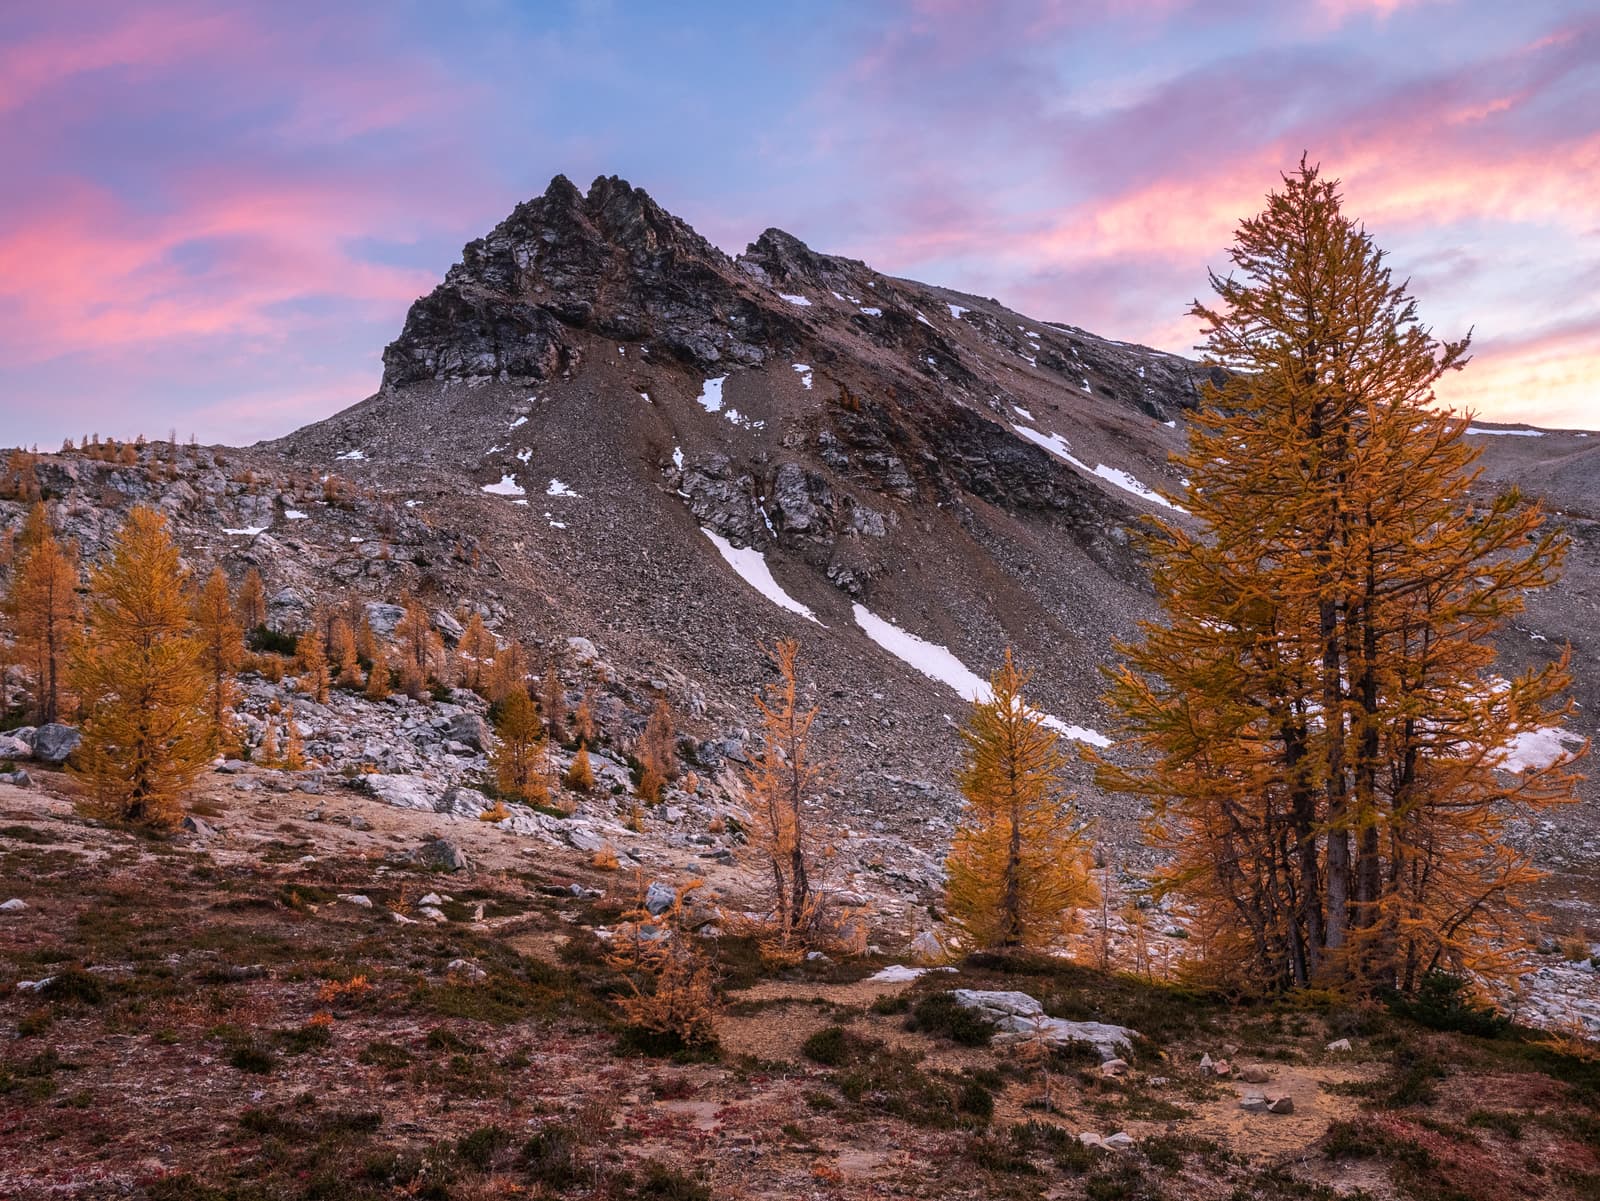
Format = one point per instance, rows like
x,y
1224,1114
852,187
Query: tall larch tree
x,y
420,647
782,781
553,699
1319,711
141,681
251,602
477,650
315,676
1019,861
43,609
518,759
221,643
509,673
658,760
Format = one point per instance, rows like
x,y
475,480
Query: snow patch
x,y
751,567
518,422
795,299
350,456
677,457
507,486
249,531
1058,446
296,515
932,660
1535,750
524,454
872,311
1478,429
804,371
956,310
557,488
711,394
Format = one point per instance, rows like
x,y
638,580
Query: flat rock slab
x,y
1019,1017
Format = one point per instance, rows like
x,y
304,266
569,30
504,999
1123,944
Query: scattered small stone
x,y
432,898
357,822
1120,1141
401,919
356,898
17,779
233,767
1254,1074
1114,1067
199,826
14,905
1284,1104
466,969
1222,1069
1339,1044
1253,1103
33,985
432,914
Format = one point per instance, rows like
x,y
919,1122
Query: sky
x,y
214,216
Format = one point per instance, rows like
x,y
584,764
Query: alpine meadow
x,y
596,712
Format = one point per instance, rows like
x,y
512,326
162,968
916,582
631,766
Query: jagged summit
x,y
612,262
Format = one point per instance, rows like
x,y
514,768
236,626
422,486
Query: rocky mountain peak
x,y
612,262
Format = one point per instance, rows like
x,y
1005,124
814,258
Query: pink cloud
x,y
150,38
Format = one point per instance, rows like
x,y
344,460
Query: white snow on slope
x,y
557,488
296,515
1054,443
519,422
932,660
507,486
677,457
1077,733
1536,750
351,455
1058,446
751,566
956,310
795,299
249,531
711,395
1474,429
938,663
872,312
804,370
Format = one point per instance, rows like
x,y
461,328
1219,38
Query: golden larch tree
x,y
221,642
141,680
421,648
580,774
1320,724
782,781
553,699
251,602
43,609
518,759
378,677
477,651
315,676
658,760
1019,861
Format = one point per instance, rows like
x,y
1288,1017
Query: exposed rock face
x,y
612,263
